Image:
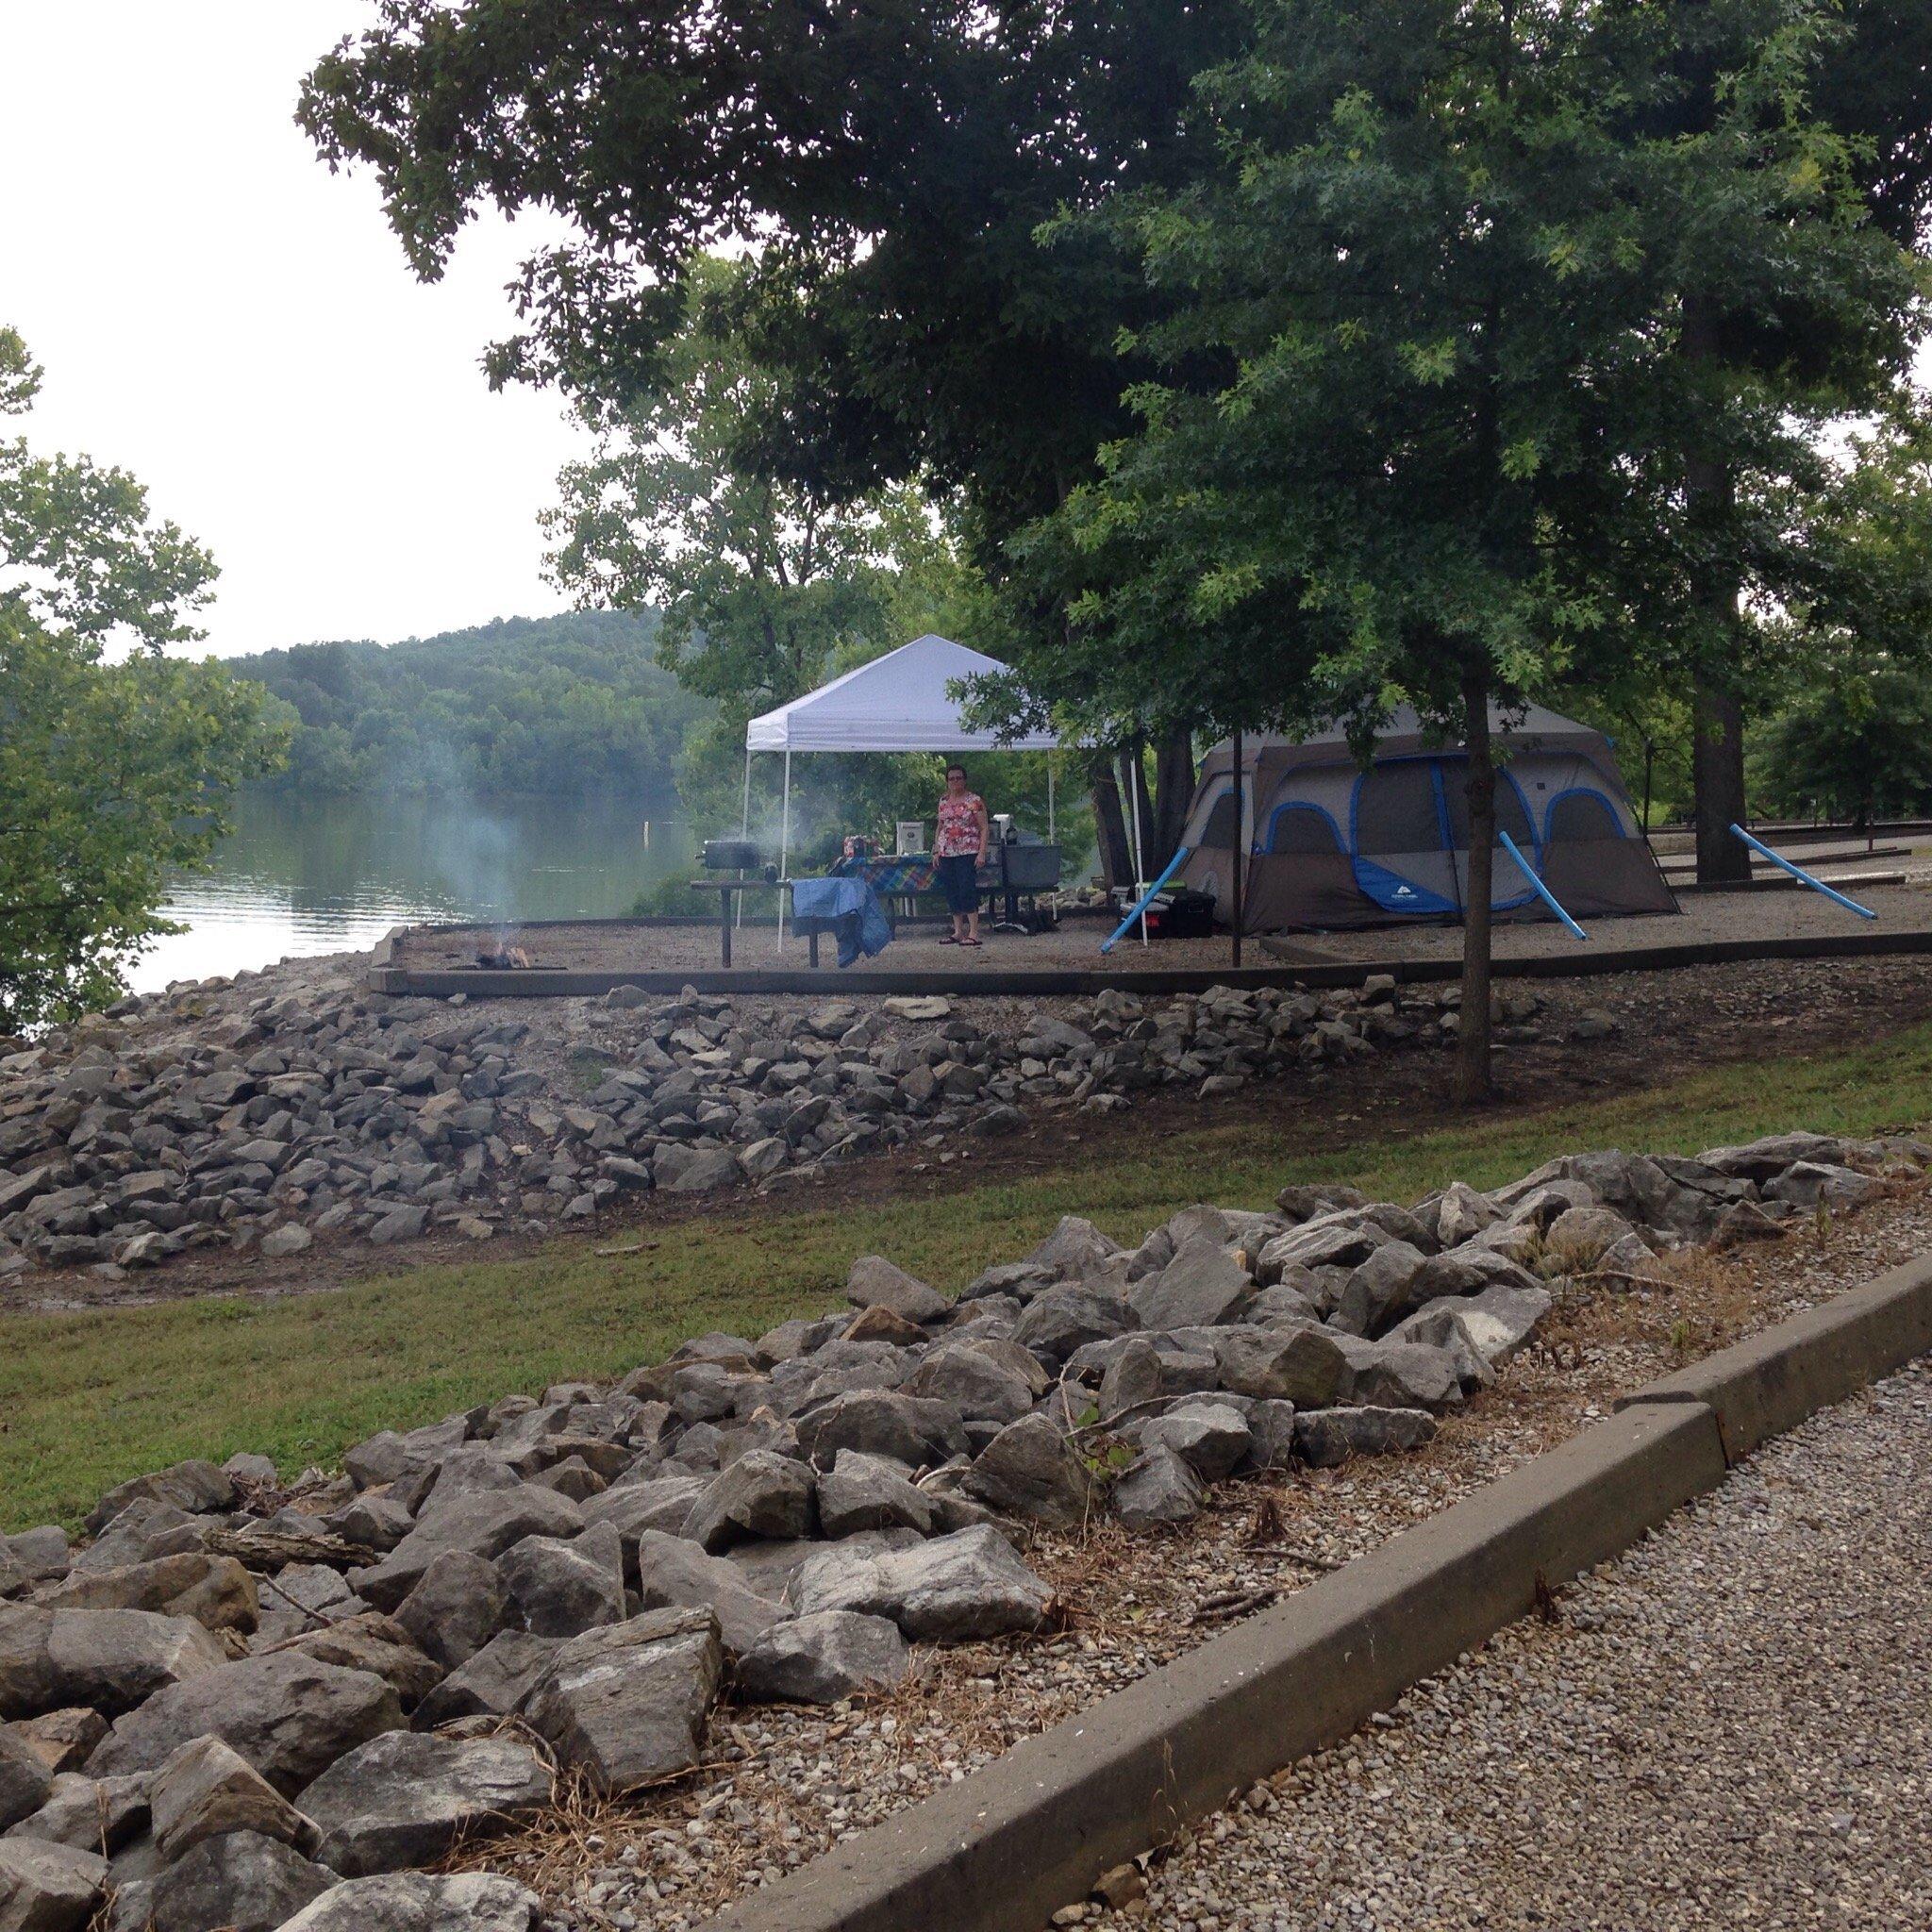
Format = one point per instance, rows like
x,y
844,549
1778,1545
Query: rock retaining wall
x,y
237,1704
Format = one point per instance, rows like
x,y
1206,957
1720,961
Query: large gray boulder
x,y
1158,1486
661,1501
986,1380
1498,1321
196,1487
457,1607
876,1283
1211,1438
207,1789
1030,1469
92,1814
241,1881
863,1491
48,1887
906,1428
821,1658
1305,1366
1330,1436
216,1592
759,1495
1201,1286
1381,1291
109,1661
404,1799
1404,1375
484,1522
492,1683
26,1783
418,1902
557,1586
628,1704
1059,1320
674,1573
949,1590
287,1715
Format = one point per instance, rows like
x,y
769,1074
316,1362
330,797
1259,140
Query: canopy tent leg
x,y
1242,839
1134,805
784,846
743,832
1051,832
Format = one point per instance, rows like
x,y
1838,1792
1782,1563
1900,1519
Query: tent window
x,y
1303,828
1396,808
1223,829
1512,815
1580,816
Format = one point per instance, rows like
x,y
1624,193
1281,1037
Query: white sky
x,y
218,314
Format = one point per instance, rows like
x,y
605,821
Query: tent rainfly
x,y
895,703
1333,845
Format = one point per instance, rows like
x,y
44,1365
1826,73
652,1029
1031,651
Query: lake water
x,y
298,878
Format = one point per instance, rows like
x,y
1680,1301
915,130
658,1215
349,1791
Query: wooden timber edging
x,y
389,971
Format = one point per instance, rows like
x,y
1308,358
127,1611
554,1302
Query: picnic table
x,y
726,889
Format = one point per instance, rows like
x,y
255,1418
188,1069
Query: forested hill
x,y
569,706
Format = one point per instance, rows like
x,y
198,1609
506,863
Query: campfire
x,y
501,958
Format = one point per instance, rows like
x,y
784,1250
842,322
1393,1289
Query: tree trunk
x,y
1110,824
1472,1038
1174,791
1717,769
1717,746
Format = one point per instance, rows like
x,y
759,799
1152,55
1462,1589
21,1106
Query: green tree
x,y
1453,457
113,770
894,163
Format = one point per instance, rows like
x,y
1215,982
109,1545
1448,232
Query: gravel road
x,y
1729,1726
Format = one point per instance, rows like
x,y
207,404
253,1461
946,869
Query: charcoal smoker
x,y
736,856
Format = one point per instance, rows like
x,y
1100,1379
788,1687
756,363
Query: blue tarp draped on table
x,y
848,909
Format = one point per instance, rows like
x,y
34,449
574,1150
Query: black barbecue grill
x,y
732,855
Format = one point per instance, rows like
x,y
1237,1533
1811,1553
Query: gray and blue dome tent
x,y
1331,844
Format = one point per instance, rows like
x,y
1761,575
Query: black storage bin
x,y
1183,915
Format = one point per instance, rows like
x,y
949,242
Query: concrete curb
x,y
1761,1387
1006,1848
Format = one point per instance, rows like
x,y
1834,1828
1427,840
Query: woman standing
x,y
963,834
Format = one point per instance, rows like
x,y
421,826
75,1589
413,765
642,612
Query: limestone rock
x,y
908,1429
404,1799
492,1683
1305,1366
876,1283
193,1487
760,1495
1203,1285
287,1715
674,1573
627,1703
952,1589
46,1887
556,1587
1158,1486
241,1881
823,1657
25,1781
215,1591
1030,1469
1330,1436
457,1607
206,1790
418,1902
863,1491
109,1661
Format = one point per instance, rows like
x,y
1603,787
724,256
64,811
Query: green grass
x,y
88,1399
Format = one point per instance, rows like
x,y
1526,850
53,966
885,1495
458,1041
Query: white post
x,y
1134,804
1052,834
784,845
743,832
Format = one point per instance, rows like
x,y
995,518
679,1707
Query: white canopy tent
x,y
899,702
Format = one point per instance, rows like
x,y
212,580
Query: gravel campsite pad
x,y
1727,1726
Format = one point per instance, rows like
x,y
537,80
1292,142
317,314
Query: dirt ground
x,y
1668,1025
608,946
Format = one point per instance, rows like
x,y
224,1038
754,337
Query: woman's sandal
x,y
952,938
970,942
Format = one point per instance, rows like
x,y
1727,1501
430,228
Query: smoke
x,y
473,851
